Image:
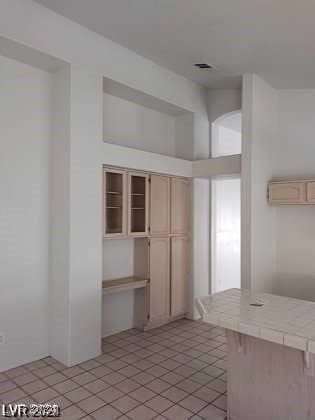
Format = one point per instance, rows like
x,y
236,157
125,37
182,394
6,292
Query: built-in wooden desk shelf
x,y
125,283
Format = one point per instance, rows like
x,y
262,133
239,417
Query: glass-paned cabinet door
x,y
115,203
138,199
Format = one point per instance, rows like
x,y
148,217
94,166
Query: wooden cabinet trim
x,y
287,193
123,233
310,192
160,202
146,204
292,192
180,274
180,207
159,284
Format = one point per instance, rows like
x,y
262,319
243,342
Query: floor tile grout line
x,y
86,369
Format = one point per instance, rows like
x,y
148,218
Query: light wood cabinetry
x,y
138,199
180,206
287,192
159,286
154,210
310,192
292,192
180,269
115,203
159,205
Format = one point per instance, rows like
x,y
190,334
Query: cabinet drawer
x,y
310,192
287,193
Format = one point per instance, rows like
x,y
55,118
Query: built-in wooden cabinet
x,y
160,188
159,285
180,272
287,192
115,203
292,192
155,208
310,192
138,200
180,206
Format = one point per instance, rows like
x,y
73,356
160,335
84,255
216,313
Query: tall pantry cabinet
x,y
156,207
180,244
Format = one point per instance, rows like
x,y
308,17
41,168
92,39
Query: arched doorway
x,y
225,207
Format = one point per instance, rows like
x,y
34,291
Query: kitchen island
x,y
271,347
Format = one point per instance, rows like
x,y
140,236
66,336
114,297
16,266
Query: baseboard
x,y
163,321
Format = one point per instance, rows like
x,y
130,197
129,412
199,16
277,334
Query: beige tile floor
x,y
174,372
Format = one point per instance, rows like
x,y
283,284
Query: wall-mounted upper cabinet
x,y
138,200
115,203
292,192
180,206
310,192
138,204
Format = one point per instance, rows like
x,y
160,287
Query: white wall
x,y
200,214
185,135
293,157
85,215
278,242
222,101
91,58
201,250
229,142
76,222
224,165
122,311
126,157
59,200
131,125
226,218
260,133
25,111
226,138
114,252
71,42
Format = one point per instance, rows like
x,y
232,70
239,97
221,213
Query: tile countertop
x,y
278,319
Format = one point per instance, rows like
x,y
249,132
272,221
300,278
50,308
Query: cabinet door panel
x,y
138,199
159,205
310,192
287,193
180,206
159,290
115,202
180,269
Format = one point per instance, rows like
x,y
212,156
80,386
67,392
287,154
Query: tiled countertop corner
x,y
278,319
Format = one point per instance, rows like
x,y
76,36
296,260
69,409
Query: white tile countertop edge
x,y
281,320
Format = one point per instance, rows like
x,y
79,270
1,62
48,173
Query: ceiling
x,y
274,38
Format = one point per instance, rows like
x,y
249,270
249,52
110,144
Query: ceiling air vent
x,y
203,66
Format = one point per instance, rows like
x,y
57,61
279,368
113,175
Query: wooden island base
x,y
268,381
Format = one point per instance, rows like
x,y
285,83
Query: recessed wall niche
x,y
134,119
